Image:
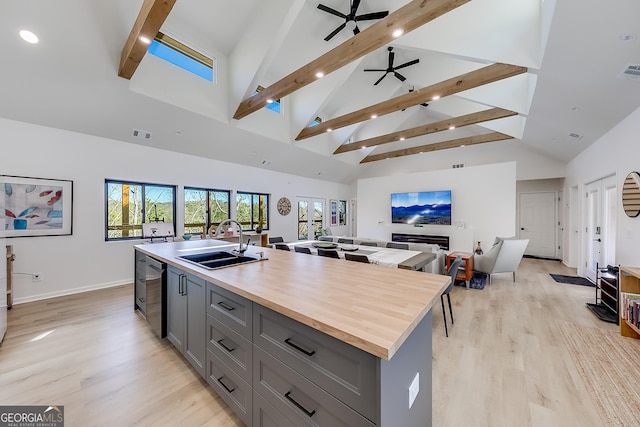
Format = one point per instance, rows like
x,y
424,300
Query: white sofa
x,y
437,266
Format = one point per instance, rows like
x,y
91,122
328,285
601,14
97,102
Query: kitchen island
x,y
306,340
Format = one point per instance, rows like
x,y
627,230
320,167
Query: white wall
x,y
617,152
483,198
84,261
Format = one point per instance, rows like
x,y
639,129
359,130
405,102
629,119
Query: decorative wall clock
x,y
284,206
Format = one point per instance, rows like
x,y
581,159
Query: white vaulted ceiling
x,y
572,50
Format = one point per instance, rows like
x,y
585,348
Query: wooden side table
x,y
465,272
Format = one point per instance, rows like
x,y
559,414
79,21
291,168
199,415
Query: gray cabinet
x,y
186,316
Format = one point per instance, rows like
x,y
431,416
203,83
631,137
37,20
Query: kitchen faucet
x,y
241,250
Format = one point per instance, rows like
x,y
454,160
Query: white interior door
x,y
310,218
593,229
538,212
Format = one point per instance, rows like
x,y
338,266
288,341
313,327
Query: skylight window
x,y
315,121
273,105
182,56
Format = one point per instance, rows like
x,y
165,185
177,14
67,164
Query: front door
x,y
538,223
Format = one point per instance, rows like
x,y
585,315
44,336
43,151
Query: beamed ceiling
x,y
486,80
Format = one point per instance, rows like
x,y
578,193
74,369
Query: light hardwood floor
x,y
503,364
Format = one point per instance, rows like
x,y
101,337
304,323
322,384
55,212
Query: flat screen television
x,y
424,207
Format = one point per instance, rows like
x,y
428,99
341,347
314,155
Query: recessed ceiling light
x,y
435,97
28,36
462,146
269,101
402,138
363,147
627,37
178,132
145,40
452,127
329,130
319,74
373,116
397,33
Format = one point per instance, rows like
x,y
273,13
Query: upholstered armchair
x,y
503,257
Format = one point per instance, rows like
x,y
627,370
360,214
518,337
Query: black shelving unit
x,y
606,305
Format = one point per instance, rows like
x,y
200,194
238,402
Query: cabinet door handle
x,y
226,306
230,390
297,347
299,406
183,280
221,342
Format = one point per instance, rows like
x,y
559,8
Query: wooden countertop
x,y
370,307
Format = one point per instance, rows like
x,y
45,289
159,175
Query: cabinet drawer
x,y
230,309
233,389
234,350
265,415
141,295
349,374
299,400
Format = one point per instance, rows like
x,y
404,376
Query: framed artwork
x,y
36,206
334,212
342,212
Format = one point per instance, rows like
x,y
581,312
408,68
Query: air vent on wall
x,y
630,72
141,134
458,165
575,135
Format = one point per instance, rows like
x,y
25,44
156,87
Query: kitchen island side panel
x,y
397,374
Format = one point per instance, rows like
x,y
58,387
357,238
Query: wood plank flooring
x,y
503,364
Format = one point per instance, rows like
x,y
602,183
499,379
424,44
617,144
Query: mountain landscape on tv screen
x,y
437,213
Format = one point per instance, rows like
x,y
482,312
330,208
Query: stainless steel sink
x,y
218,259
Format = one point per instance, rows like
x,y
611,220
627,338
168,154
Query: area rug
x,y
478,281
608,364
572,280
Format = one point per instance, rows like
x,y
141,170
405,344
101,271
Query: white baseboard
x,y
71,291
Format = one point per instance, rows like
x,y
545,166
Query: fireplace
x,y
442,241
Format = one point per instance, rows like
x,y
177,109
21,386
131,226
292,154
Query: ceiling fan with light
x,y
392,69
351,20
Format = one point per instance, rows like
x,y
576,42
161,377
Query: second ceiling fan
x,y
392,69
351,19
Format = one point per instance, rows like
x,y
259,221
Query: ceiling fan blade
x,y
356,30
380,79
334,32
375,70
354,7
332,11
406,64
399,76
370,16
391,57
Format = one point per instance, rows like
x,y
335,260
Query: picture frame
x,y
334,212
36,206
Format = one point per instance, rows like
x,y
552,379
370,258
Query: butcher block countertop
x,y
370,307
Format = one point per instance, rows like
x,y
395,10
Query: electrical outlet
x,y
414,388
36,277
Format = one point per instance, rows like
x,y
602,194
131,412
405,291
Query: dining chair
x,y
302,250
273,240
356,257
365,243
347,241
325,238
329,253
282,247
395,245
452,272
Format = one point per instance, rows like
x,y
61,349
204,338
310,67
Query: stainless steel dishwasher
x,y
155,292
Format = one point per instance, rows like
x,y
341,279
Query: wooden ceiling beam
x,y
149,21
482,76
454,143
457,122
409,17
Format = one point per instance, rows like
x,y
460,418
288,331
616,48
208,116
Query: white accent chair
x,y
503,257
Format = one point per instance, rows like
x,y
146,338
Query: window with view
x,y
183,56
204,208
130,204
252,209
